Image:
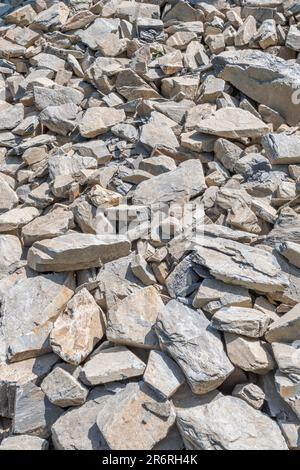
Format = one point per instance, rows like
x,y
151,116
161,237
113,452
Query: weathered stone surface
x,y
10,253
63,390
17,218
214,295
291,251
111,364
249,354
163,374
34,414
251,394
78,329
75,251
282,148
242,321
245,69
28,310
287,356
194,346
286,328
97,121
206,427
24,442
57,222
132,320
239,264
125,429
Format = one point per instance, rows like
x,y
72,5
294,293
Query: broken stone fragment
x,y
10,254
287,356
33,304
242,321
17,218
251,394
111,364
143,271
24,442
78,329
163,374
97,121
286,328
290,250
62,389
214,295
288,388
282,148
205,427
131,321
75,251
57,222
196,348
141,430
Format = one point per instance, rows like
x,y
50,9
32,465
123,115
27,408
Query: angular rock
x,y
163,374
24,442
97,121
57,222
282,148
251,394
286,328
63,390
242,321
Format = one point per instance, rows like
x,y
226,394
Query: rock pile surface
x,y
149,224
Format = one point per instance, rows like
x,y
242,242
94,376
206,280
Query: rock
x,y
205,427
75,251
288,388
78,329
47,97
60,119
111,364
185,182
293,38
202,357
245,69
163,374
290,250
287,357
251,394
249,354
76,429
97,121
57,222
52,17
233,123
239,264
281,148
245,32
242,321
141,430
142,271
63,390
132,320
214,295
10,253
11,115
9,198
24,442
28,311
286,328
152,137
17,218
34,414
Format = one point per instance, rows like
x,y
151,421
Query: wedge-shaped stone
x,y
206,427
251,394
45,97
287,328
263,77
290,250
186,336
163,374
100,28
52,17
17,218
132,320
57,222
111,364
181,184
281,148
34,414
9,198
63,390
239,264
77,429
10,116
28,311
135,419
130,85
289,390
249,354
78,329
242,321
233,123
76,251
60,119
97,121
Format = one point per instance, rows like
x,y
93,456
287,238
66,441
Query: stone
x,y
75,251
63,390
184,182
24,442
34,414
97,121
57,222
147,426
286,328
142,271
213,295
202,357
242,321
290,250
112,364
293,38
60,119
28,310
10,253
244,69
48,97
9,198
288,388
11,115
241,265
132,320
78,329
246,32
17,218
287,356
251,394
52,17
163,374
205,427
249,354
152,137
233,123
282,148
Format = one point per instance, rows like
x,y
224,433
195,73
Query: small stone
x,y
63,390
163,374
251,394
281,148
24,442
286,328
17,218
287,356
112,364
142,271
97,121
242,321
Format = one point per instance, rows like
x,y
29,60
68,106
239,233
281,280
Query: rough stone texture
x,y
196,348
163,374
63,390
24,443
242,321
285,329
